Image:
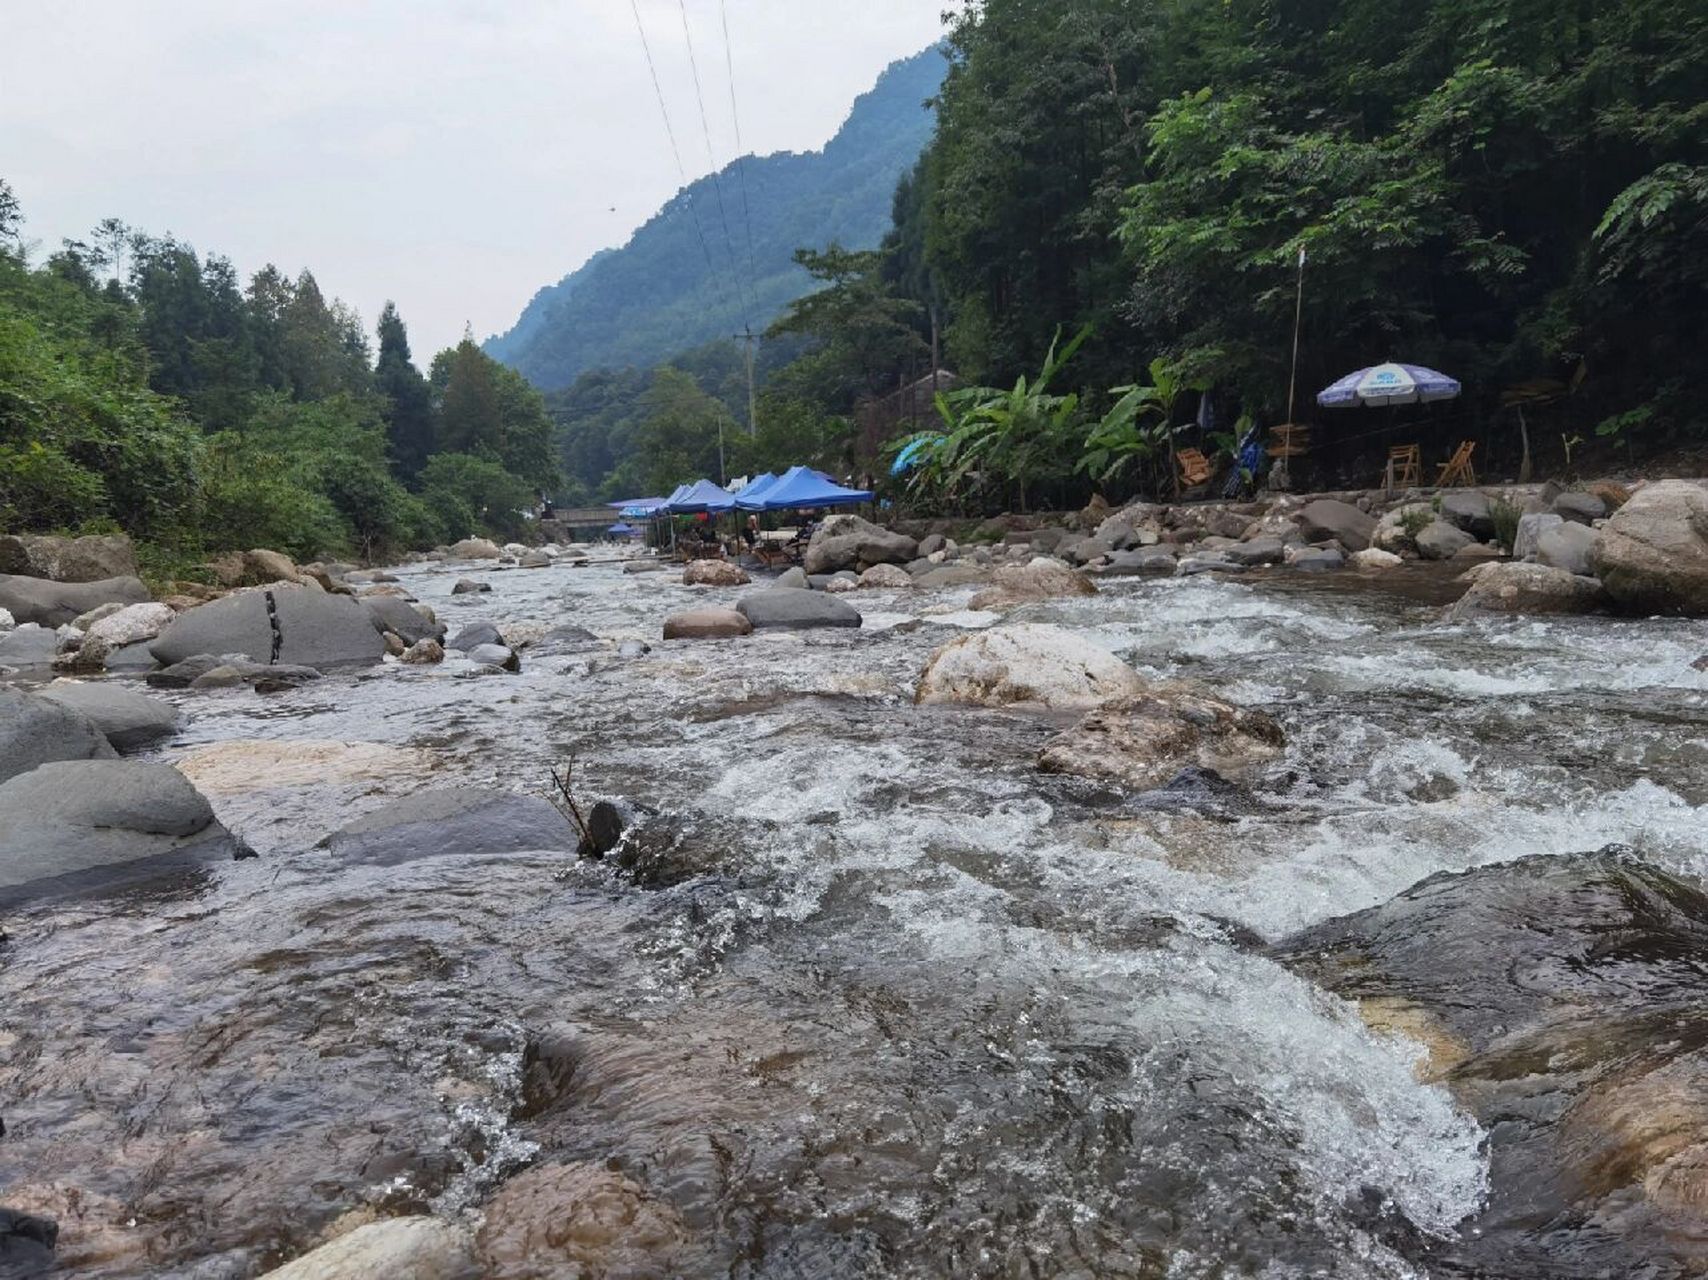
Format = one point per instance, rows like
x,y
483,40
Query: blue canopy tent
x,y
698,497
756,486
802,487
637,508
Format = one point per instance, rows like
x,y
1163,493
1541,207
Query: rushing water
x,y
901,1005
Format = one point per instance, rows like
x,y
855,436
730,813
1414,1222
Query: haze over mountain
x,y
683,280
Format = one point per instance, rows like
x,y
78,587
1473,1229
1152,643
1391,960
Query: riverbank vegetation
x,y
144,387
1514,193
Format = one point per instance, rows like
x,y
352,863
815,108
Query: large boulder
x,y
780,608
476,549
1439,540
1034,664
127,719
53,604
707,624
1653,552
289,625
714,573
1568,546
1327,518
460,820
1468,510
849,542
1145,740
415,1248
408,623
1562,1002
129,624
1039,579
80,825
35,730
91,558
1527,588
1531,527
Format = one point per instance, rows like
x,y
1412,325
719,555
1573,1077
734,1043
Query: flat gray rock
x,y
35,731
129,720
53,604
781,608
312,628
461,820
82,826
29,646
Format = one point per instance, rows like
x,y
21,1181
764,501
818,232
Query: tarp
x,y
1388,384
908,458
622,529
700,496
638,508
802,487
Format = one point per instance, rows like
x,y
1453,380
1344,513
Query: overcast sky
x,y
453,155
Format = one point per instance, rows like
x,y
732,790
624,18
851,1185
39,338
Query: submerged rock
x,y
1030,663
461,820
1563,1001
81,826
129,720
495,655
780,608
466,587
419,1248
1145,740
1653,553
1038,580
224,671
36,730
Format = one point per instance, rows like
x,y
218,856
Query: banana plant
x,y
1135,430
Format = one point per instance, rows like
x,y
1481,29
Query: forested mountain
x,y
657,295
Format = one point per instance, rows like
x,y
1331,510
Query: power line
x,y
740,168
670,132
717,186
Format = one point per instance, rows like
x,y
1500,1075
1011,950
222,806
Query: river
x,y
891,1002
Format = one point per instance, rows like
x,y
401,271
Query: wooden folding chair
x,y
1405,467
1457,470
1195,468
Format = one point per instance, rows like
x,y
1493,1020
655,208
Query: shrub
x,y
1505,516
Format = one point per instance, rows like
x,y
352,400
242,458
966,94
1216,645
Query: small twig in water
x,y
562,785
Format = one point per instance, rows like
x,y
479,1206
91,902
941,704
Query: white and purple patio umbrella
x,y
1388,384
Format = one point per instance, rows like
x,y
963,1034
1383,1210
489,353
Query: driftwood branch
x,y
562,784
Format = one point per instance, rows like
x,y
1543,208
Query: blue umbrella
x,y
1388,384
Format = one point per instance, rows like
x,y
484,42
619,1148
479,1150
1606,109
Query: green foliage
x,y
465,495
1135,429
1505,516
1414,520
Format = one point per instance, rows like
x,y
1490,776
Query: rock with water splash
x,y
1527,588
579,1220
1145,740
82,826
1653,553
36,730
416,1248
1563,1001
404,620
460,820
1040,579
783,609
129,720
1029,664
467,587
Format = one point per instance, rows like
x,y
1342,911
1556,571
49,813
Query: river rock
x,y
1143,741
92,558
475,549
416,1248
787,610
460,820
1653,552
1029,663
886,577
1561,1001
28,646
1328,518
1439,540
1257,551
1374,558
7,621
1040,579
495,655
714,573
1144,561
127,719
1397,530
424,652
1315,559
475,635
579,1220
129,624
1527,588
467,586
402,619
951,575
643,566
932,543
1578,507
310,628
1568,546
36,730
26,1244
794,577
53,604
193,670
535,559
850,542
1531,527
1468,510
79,825
707,624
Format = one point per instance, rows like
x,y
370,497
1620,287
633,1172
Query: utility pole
x,y
748,337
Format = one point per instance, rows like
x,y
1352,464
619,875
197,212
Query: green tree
x,y
409,401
